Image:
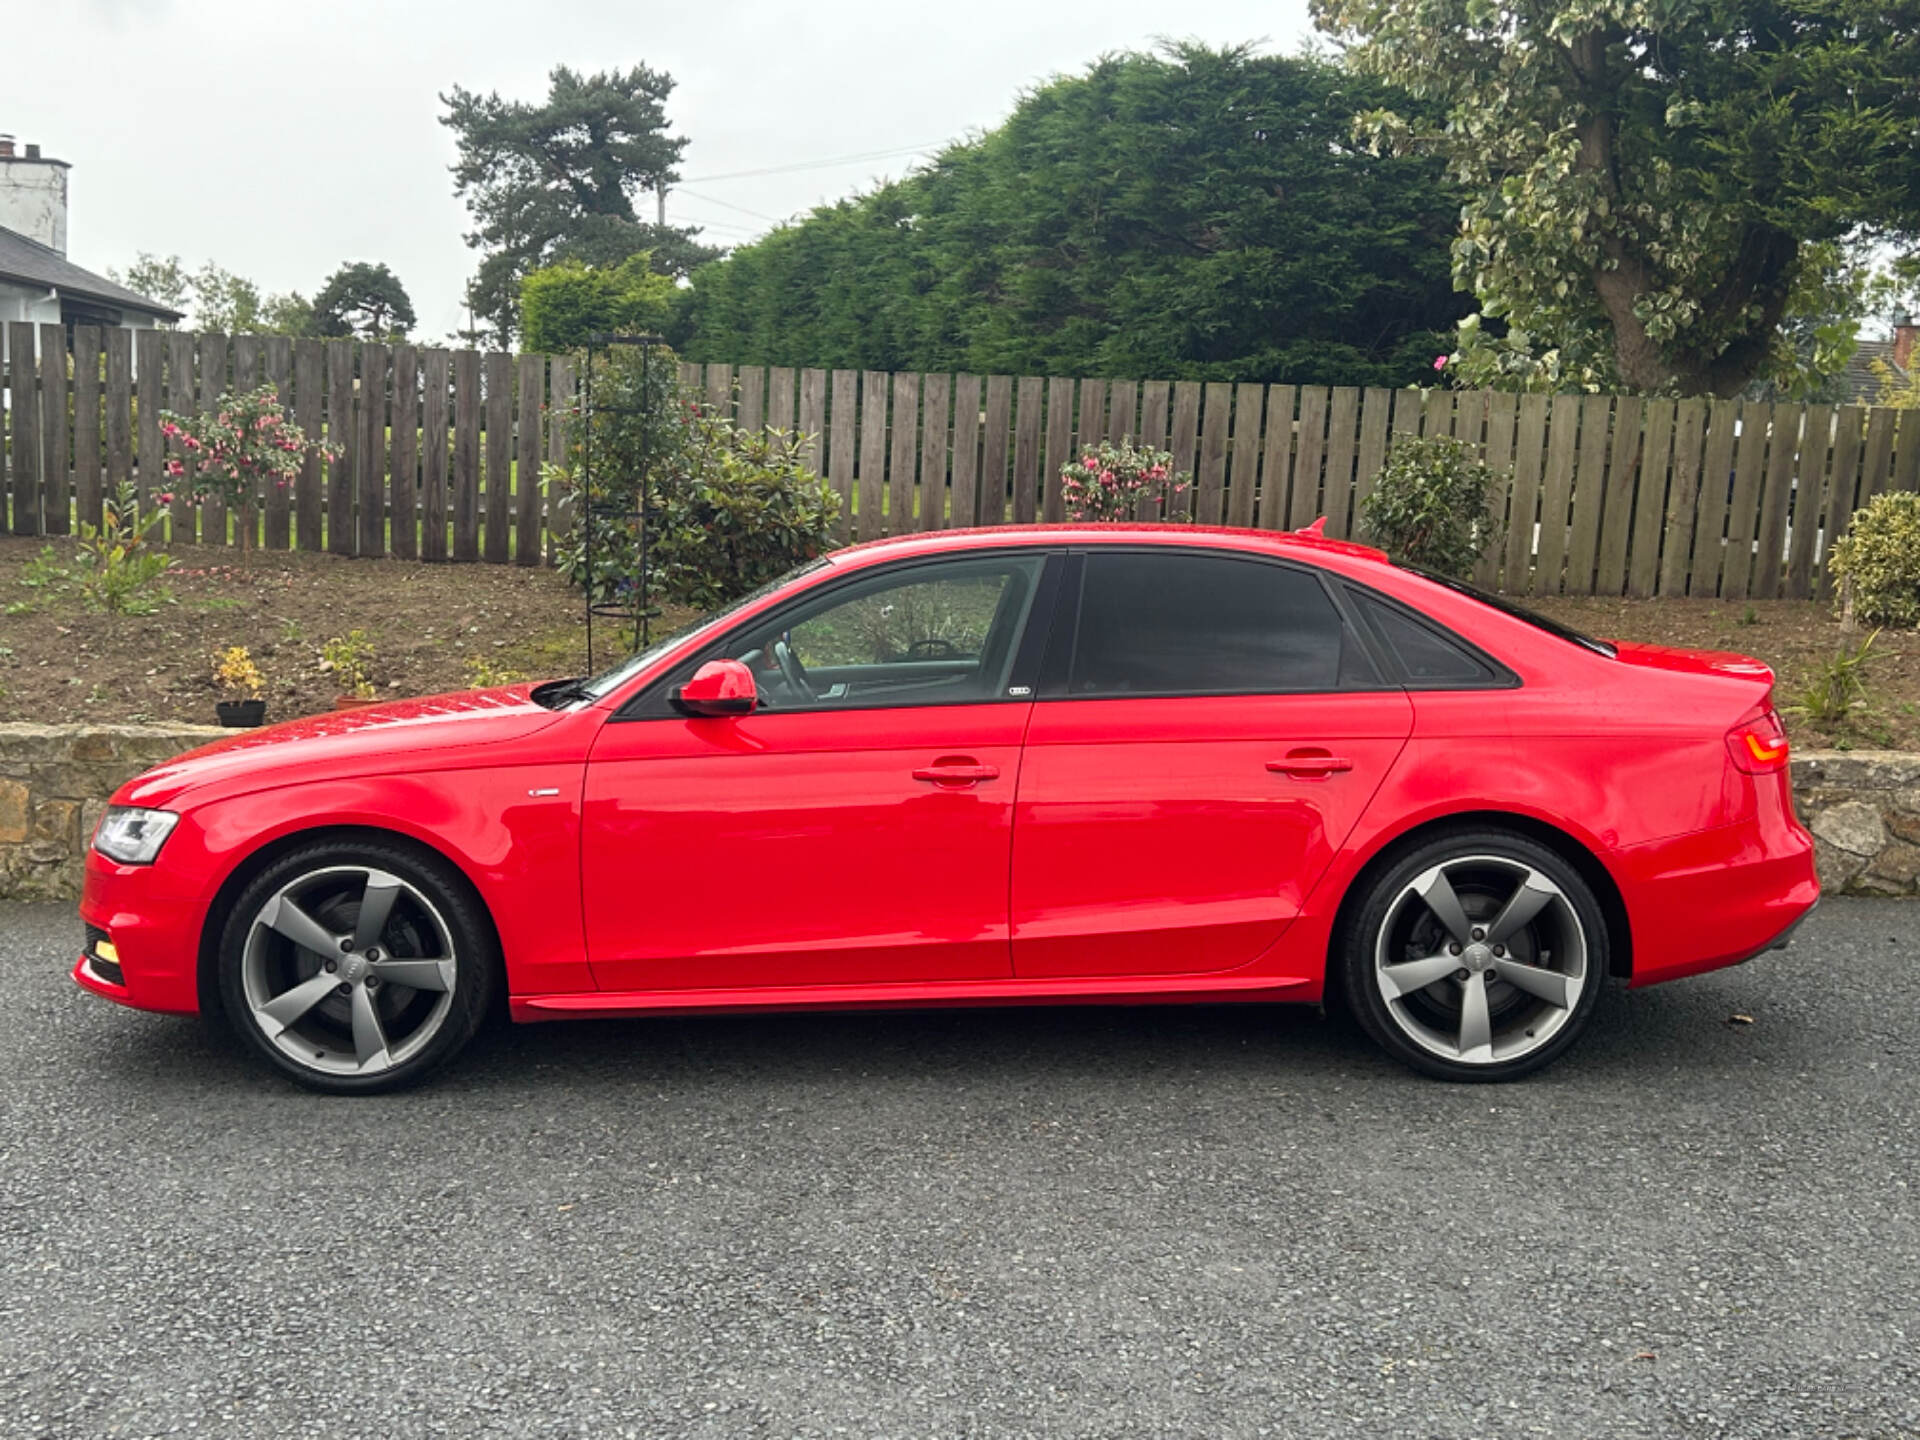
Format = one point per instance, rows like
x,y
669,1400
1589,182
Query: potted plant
x,y
346,658
240,679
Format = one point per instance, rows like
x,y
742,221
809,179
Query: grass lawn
x,y
445,627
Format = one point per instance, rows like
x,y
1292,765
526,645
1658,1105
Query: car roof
x,y
1302,544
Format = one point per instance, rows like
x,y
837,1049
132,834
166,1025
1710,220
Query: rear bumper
x,y
1716,898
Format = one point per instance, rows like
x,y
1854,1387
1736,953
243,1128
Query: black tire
x,y
441,894
1541,953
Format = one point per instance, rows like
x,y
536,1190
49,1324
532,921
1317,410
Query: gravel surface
x,y
1145,1221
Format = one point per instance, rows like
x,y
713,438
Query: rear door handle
x,y
956,772
1310,765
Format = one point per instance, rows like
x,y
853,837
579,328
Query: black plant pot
x,y
241,714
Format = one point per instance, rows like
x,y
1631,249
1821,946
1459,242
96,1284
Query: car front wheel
x,y
356,967
1477,955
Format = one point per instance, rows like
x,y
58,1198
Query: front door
x,y
1211,741
857,827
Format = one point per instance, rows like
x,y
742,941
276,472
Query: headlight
x,y
133,836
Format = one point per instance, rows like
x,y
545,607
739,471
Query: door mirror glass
x,y
718,688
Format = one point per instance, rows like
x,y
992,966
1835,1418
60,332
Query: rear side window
x,y
1179,624
1428,657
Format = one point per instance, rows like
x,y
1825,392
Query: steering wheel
x,y
792,671
933,648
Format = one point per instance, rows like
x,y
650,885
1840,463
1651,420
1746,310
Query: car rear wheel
x,y
1478,955
356,967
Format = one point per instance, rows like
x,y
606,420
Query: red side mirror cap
x,y
718,688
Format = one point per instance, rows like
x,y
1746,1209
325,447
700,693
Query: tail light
x,y
1758,743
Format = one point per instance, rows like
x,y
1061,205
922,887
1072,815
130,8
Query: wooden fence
x,y
441,452
1609,495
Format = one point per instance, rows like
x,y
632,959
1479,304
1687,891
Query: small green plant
x,y
1877,562
118,568
346,658
1838,685
483,674
1429,506
1749,616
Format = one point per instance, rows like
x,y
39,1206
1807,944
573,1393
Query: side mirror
x,y
718,688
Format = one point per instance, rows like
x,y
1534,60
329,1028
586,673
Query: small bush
x,y
746,511
1429,506
236,674
347,657
1877,562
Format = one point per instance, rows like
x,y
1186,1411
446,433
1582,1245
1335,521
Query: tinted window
x,y
1428,657
1173,624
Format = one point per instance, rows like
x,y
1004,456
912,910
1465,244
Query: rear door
x,y
1209,730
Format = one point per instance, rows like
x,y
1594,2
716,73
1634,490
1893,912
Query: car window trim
x,y
1057,673
1503,676
651,703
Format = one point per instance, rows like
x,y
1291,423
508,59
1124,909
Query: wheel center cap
x,y
1478,957
353,968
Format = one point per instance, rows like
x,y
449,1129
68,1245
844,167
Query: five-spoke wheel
x,y
353,968
1476,956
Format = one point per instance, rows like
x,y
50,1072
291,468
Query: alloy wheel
x,y
349,970
1481,960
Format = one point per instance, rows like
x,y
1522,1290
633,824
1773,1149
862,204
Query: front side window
x,y
938,634
1185,624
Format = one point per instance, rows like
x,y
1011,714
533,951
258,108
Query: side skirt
x,y
1109,990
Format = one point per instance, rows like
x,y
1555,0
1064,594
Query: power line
x,y
726,205
817,164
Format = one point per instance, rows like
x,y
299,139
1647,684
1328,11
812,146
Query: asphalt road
x,y
1105,1222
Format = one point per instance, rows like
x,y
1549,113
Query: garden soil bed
x,y
431,627
446,627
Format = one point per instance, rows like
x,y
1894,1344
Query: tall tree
x,y
1647,175
558,180
1195,213
364,300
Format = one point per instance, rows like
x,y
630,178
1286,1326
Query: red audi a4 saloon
x,y
1031,765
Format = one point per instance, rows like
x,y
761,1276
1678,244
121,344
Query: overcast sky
x,y
283,139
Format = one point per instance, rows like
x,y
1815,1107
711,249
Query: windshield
x,y
607,681
1518,612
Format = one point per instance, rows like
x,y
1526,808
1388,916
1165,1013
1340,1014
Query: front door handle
x,y
956,771
1310,765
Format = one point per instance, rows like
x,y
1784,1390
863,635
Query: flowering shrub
x,y
244,442
1111,482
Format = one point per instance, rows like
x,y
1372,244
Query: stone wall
x,y
55,780
1862,806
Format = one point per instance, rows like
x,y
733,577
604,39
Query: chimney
x,y
1905,332
33,195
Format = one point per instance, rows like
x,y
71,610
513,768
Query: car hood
x,y
396,735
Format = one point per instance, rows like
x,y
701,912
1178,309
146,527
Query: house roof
x,y
28,262
1859,382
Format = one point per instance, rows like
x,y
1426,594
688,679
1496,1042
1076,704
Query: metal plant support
x,y
636,610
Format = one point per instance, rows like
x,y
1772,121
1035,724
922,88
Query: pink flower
x,y
1439,362
165,497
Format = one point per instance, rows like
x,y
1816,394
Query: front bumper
x,y
152,925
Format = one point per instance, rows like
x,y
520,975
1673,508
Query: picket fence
x,y
440,454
